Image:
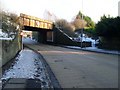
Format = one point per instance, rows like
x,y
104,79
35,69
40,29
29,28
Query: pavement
x,y
28,72
94,49
80,69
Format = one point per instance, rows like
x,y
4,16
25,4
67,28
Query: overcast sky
x,y
65,9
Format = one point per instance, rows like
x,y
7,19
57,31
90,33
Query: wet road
x,y
80,69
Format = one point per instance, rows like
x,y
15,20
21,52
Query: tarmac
x,y
80,69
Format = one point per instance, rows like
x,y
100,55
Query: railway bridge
x,y
44,28
47,32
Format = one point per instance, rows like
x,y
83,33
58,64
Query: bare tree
x,y
61,23
66,27
10,23
79,23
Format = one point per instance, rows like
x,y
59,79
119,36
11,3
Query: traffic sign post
x,y
21,35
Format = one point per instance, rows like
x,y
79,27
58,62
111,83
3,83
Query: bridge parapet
x,y
31,21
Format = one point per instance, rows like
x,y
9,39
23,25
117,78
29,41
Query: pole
x,y
82,27
81,36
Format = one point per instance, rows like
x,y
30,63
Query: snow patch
x,y
6,38
27,65
28,40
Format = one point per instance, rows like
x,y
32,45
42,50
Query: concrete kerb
x,y
53,78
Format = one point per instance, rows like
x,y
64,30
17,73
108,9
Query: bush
x,y
108,27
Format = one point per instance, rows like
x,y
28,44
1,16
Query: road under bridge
x,y
80,69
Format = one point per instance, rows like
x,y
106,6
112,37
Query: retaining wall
x,y
63,39
9,48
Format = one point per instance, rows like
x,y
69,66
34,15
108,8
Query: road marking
x,y
64,52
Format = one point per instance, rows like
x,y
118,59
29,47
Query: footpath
x,y
94,49
27,71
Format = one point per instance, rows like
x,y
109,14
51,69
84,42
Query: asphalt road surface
x,y
80,69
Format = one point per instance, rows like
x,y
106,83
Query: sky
x,y
65,9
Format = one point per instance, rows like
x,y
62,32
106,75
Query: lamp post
x,y
119,8
82,27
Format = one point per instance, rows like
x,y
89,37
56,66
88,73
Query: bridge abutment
x,y
42,36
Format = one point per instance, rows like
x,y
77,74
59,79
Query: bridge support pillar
x,y
42,37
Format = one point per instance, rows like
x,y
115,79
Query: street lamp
x,y
119,8
82,26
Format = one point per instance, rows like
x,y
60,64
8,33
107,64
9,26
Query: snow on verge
x,y
27,65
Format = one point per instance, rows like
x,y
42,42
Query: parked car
x,y
97,42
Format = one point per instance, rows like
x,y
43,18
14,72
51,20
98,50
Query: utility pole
x,y
119,11
82,27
